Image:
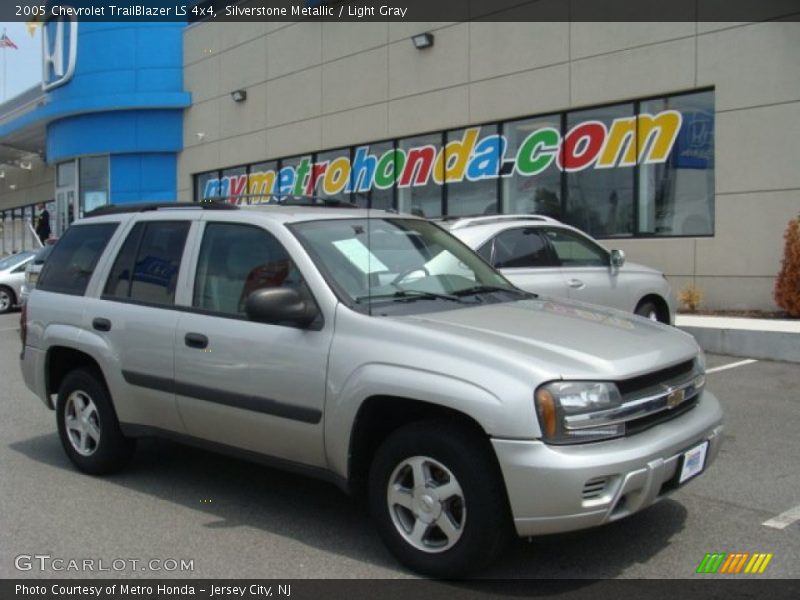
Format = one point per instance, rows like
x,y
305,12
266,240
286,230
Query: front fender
x,y
383,379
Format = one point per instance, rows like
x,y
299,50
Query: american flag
x,y
5,42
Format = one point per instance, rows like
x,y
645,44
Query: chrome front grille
x,y
647,400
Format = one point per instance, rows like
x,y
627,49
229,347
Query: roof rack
x,y
283,200
472,221
116,209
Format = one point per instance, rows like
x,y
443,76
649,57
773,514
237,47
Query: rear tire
x,y
8,299
438,499
88,426
650,310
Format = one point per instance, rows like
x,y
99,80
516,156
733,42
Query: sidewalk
x,y
772,339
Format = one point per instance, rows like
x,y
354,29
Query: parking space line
x,y
783,520
741,363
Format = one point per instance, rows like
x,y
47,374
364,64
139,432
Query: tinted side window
x,y
146,268
523,247
235,260
574,250
72,262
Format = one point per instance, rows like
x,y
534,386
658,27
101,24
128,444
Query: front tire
x,y
88,426
438,500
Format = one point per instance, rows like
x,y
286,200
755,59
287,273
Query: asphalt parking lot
x,y
236,519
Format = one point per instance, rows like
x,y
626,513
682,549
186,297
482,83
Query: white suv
x,y
542,255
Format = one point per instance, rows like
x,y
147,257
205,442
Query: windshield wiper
x,y
487,289
410,295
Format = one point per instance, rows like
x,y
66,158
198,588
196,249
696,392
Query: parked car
x,y
540,254
372,350
12,274
33,268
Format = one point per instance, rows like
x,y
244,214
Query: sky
x,y
23,67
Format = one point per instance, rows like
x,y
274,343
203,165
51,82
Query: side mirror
x,y
617,258
279,306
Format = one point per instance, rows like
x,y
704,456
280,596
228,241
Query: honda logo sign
x,y
59,51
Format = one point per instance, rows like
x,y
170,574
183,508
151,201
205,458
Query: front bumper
x,y
554,489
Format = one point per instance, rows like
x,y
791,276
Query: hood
x,y
565,339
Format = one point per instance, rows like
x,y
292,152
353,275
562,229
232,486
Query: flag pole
x,y
4,67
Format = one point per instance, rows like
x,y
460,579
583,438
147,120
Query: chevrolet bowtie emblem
x,y
675,398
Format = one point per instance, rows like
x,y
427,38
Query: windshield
x,y
387,260
14,260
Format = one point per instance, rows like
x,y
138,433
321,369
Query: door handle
x,y
196,340
576,284
101,324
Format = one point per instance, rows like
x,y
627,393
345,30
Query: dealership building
x,y
677,142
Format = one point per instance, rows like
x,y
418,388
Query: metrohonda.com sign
x,y
643,139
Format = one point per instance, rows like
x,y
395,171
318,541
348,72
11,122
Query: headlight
x,y
701,361
557,401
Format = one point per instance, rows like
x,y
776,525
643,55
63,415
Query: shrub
x,y
690,297
787,286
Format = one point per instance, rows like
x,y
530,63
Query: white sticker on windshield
x,y
358,254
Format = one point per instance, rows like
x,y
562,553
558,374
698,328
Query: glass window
x,y
398,261
262,181
294,176
236,260
330,176
65,173
534,185
419,189
676,196
206,186
93,183
472,164
365,165
575,250
520,248
599,195
74,258
146,268
233,184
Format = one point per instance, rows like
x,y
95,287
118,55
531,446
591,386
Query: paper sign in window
x,y
358,254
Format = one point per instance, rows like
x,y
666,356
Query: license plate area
x,y
692,462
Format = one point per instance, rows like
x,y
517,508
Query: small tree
x,y
787,286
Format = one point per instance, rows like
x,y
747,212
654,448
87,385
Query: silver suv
x,y
372,350
540,254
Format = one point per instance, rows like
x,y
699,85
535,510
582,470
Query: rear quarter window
x,y
70,265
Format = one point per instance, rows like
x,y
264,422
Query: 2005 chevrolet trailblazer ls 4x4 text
x,y
371,349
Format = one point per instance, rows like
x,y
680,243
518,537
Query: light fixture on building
x,y
2,174
201,135
12,186
239,95
423,40
25,164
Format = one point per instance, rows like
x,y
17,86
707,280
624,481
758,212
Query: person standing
x,y
43,225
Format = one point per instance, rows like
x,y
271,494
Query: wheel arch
x,y
379,416
661,304
60,361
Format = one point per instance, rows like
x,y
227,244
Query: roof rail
x,y
116,209
463,222
283,200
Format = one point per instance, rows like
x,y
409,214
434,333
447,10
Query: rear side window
x,y
72,262
521,248
146,268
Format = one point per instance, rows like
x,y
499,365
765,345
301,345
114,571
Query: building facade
x,y
556,118
675,142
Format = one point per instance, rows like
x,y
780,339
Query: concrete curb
x,y
748,338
